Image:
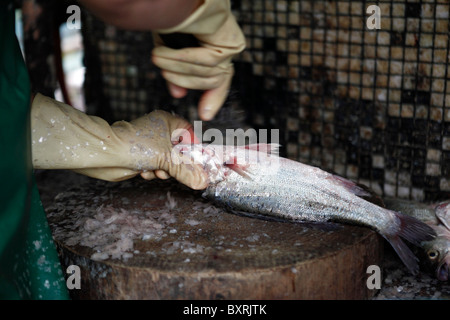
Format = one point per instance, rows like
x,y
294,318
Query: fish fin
x,y
269,148
322,226
443,213
349,185
239,169
255,215
325,226
405,254
412,230
227,207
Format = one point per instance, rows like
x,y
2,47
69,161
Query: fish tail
x,y
412,230
405,254
349,185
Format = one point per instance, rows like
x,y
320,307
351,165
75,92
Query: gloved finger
x,y
177,165
188,68
193,82
148,175
191,175
176,91
212,100
161,174
183,133
108,174
181,167
201,56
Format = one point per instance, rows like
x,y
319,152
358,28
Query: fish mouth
x,y
443,269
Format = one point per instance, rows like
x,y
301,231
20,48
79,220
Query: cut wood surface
x,y
184,247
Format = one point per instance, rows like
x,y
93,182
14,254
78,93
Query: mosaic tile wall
x,y
370,105
120,79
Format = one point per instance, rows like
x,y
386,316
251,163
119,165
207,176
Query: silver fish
x,y
252,179
437,216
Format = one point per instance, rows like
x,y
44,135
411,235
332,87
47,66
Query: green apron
x,y
29,264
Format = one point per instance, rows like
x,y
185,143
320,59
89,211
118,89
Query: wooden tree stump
x,y
201,251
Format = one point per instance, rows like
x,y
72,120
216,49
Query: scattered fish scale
x,y
112,231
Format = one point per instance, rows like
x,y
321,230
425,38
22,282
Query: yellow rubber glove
x,y
66,138
207,67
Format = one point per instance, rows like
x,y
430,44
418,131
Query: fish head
x,y
438,253
441,262
440,249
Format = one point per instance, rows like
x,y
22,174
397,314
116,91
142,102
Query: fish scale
x,y
308,202
251,179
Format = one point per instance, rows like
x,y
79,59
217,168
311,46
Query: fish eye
x,y
433,254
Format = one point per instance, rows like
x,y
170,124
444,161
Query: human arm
x,y
142,15
207,67
65,138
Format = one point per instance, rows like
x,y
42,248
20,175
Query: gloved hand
x,y
66,138
207,67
